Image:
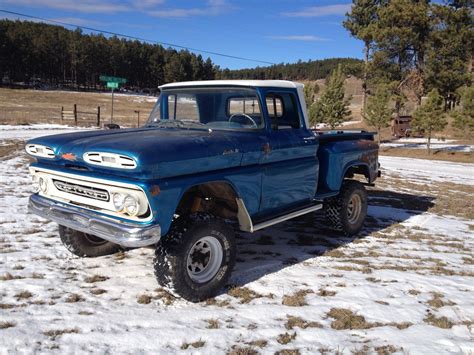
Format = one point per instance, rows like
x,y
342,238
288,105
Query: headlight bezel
x,y
40,151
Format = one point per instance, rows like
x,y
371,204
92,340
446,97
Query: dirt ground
x,y
37,106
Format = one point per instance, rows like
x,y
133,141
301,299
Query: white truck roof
x,y
248,83
251,83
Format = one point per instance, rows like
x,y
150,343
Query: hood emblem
x,y
68,156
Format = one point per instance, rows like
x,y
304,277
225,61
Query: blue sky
x,y
275,31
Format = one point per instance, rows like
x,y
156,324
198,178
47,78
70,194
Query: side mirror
x,y
111,126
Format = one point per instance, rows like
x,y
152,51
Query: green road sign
x,y
112,85
113,79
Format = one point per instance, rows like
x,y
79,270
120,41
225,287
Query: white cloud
x,y
304,38
213,7
86,6
320,11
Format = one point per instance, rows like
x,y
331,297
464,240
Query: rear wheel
x,y
86,245
196,257
347,211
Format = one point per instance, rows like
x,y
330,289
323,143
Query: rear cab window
x,y
283,111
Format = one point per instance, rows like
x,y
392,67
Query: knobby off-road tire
x,y
195,259
86,245
347,211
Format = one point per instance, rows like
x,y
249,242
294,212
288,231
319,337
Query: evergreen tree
x,y
449,53
430,117
401,33
332,108
378,113
360,23
464,118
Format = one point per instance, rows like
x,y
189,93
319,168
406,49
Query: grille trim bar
x,y
81,190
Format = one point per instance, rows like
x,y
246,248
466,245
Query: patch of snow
x,y
462,173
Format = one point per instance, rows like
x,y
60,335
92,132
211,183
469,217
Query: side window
x,y
274,105
247,105
283,111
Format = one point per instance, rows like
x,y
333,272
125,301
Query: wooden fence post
x,y
75,114
98,116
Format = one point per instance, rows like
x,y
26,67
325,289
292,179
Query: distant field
x,y
36,106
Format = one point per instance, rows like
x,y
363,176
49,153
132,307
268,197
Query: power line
x,y
137,38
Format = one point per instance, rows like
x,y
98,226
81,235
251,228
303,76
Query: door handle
x,y
266,148
307,139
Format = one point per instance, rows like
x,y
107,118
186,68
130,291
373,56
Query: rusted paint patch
x,y
155,190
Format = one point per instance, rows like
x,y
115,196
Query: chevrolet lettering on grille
x,y
80,190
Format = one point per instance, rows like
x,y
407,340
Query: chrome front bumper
x,y
126,234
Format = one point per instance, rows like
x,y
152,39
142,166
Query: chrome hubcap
x,y
92,239
204,259
354,208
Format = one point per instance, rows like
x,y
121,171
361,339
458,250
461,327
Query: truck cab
x,y
213,157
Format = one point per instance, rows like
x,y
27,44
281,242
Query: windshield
x,y
208,108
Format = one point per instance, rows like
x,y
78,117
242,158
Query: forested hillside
x,y
31,51
311,70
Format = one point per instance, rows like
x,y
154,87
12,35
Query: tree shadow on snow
x,y
294,241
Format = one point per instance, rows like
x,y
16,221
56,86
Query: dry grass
x,y
299,322
212,324
288,352
346,319
459,157
97,291
144,299
440,322
73,298
326,293
286,338
23,295
386,349
438,301
7,277
298,299
95,278
6,324
45,106
240,350
245,294
261,343
55,333
195,345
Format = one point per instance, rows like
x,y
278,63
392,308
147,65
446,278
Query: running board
x,y
246,224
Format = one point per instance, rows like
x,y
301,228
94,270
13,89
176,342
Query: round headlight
x,y
35,181
118,200
131,205
43,185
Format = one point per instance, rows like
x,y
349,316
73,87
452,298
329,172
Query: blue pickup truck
x,y
213,157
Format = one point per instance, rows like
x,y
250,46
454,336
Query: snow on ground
x,y
13,132
436,144
404,285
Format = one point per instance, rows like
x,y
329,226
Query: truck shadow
x,y
306,237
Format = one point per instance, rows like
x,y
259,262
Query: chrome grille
x,y
85,191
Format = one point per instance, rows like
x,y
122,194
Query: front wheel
x,y
86,245
196,257
347,211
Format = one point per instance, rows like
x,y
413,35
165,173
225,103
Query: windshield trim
x,y
173,90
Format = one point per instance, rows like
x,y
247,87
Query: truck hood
x,y
159,152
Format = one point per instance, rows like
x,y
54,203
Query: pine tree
x,y
378,113
449,53
332,108
464,118
360,23
430,117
